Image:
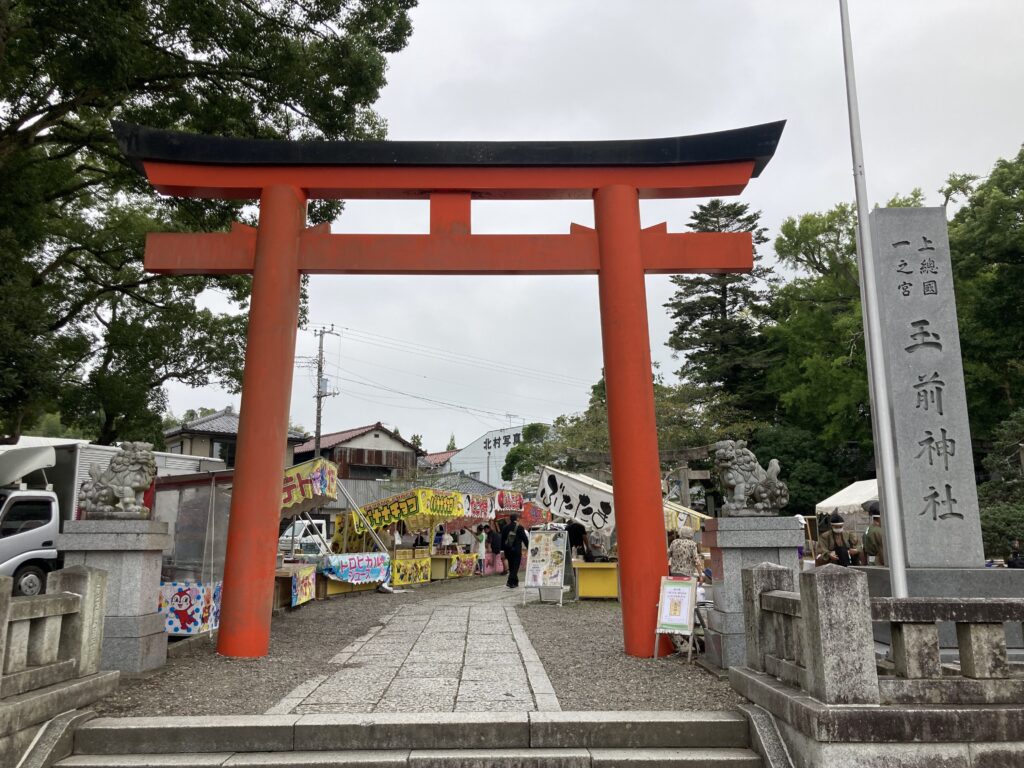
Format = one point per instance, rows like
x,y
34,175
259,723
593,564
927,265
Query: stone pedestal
x,y
737,543
130,551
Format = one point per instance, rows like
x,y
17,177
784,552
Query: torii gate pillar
x,y
631,426
282,175
262,424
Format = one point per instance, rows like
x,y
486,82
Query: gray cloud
x,y
940,86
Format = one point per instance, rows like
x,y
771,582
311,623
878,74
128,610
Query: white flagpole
x,y
881,404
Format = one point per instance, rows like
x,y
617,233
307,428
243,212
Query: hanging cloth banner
x,y
357,568
308,486
576,497
420,508
507,501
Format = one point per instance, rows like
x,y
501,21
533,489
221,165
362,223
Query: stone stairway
x,y
447,739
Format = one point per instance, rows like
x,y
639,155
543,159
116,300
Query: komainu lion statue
x,y
748,488
115,493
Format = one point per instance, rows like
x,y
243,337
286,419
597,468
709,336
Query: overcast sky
x,y
940,87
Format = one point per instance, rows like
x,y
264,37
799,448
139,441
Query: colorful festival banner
x,y
189,607
303,584
545,558
508,501
357,568
415,571
420,508
461,565
308,485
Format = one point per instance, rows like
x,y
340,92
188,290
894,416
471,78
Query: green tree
x,y
73,213
526,457
1004,463
987,242
51,425
451,443
717,316
417,440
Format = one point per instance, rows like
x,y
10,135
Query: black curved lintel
x,y
756,142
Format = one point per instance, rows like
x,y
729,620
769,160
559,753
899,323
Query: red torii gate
x,y
283,175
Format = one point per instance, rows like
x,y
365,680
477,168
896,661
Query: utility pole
x,y
321,386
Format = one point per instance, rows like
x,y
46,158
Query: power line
x,y
462,358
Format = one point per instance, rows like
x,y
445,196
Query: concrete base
x,y
130,551
737,543
952,582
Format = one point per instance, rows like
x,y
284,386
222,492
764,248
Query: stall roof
x,y
850,499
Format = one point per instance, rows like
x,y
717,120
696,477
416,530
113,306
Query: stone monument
x,y
935,467
116,533
749,533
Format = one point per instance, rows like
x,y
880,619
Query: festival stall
x,y
306,486
578,498
419,509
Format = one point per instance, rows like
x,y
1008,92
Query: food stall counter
x,y
596,580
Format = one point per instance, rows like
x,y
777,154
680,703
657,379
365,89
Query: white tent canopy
x,y
849,501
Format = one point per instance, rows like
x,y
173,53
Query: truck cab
x,y
29,524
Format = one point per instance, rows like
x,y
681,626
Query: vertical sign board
x,y
677,599
546,561
935,467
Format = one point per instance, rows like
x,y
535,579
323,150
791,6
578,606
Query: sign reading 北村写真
x,y
921,341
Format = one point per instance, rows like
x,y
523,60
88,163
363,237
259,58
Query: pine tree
x,y
716,316
451,443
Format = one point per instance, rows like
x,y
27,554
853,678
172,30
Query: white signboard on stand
x,y
546,561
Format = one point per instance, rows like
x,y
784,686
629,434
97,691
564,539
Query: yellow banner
x,y
415,571
420,508
308,485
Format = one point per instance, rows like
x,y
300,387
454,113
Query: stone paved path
x,y
465,652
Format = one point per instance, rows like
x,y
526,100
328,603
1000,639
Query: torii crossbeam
x,y
283,175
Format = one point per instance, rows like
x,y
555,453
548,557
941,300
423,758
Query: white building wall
x,y
376,440
485,456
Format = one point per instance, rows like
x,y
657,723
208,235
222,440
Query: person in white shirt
x,y
397,536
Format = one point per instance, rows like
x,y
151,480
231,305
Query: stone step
x,y
412,731
452,758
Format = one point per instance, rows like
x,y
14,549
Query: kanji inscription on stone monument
x,y
935,467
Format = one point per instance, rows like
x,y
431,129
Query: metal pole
x,y
321,390
319,393
881,404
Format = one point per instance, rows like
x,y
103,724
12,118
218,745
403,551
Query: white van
x,y
305,537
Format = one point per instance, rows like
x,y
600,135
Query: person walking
x,y
874,540
513,539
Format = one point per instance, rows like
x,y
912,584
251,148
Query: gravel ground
x,y
301,643
581,647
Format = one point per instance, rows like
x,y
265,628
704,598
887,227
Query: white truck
x,y
39,483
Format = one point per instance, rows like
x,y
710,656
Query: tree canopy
x,y
83,327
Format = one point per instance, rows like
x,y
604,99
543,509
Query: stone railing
x,y
811,663
820,641
54,637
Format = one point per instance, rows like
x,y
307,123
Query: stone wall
x,y
50,649
810,662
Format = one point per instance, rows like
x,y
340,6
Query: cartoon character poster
x,y
415,571
462,565
303,584
190,607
